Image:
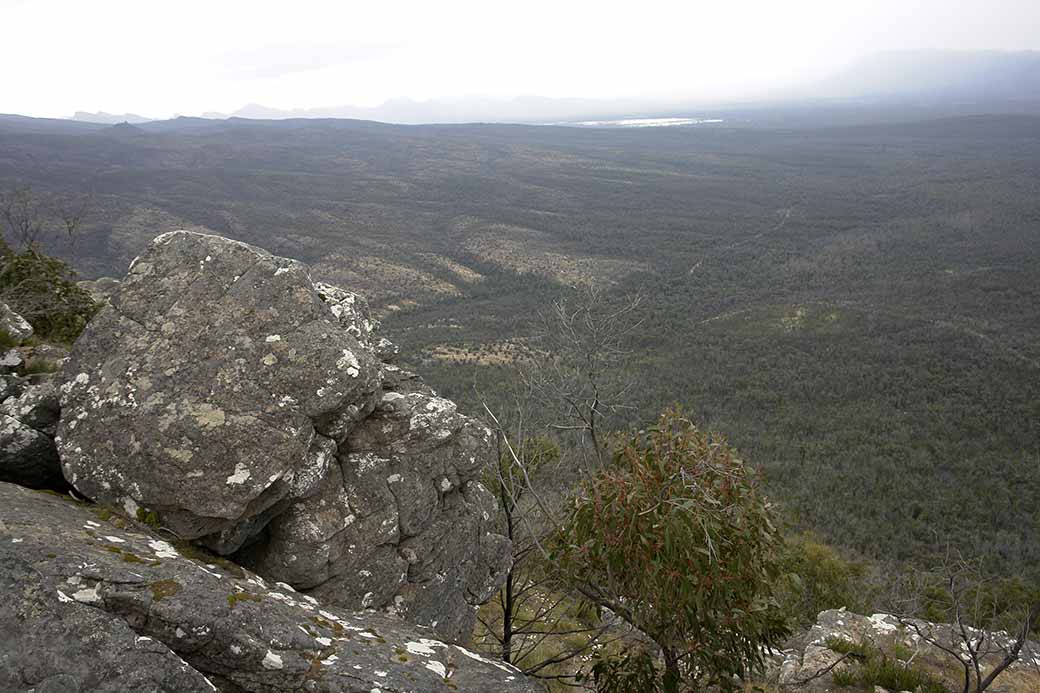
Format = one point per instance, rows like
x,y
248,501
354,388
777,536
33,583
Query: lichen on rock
x,y
254,411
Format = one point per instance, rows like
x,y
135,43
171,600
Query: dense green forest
x,y
856,308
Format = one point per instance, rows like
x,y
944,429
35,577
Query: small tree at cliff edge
x,y
675,538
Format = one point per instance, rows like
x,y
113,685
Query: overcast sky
x,y
188,56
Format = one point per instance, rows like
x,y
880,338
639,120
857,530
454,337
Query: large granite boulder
x,y
195,392
89,602
225,396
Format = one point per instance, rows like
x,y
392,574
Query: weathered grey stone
x,y
28,419
89,604
251,410
402,524
17,327
356,316
37,405
197,391
10,360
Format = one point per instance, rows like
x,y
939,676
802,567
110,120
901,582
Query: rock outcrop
x,y
89,601
28,421
226,397
29,406
820,654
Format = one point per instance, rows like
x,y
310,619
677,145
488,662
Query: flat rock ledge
x,y
91,601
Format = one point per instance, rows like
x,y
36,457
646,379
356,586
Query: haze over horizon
x,y
218,58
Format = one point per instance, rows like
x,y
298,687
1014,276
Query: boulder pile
x,y
223,396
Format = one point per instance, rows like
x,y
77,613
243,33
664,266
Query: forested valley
x,y
855,308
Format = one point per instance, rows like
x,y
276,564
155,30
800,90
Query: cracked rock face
x,y
28,419
226,396
88,603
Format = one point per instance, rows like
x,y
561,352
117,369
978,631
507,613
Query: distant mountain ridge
x,y
933,83
109,118
999,79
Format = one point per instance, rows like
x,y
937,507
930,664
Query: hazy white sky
x,y
189,56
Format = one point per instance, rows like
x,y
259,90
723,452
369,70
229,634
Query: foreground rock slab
x,y
91,602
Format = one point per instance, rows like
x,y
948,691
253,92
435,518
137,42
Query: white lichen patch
x,y
87,596
437,668
349,363
474,656
163,549
271,661
424,647
240,476
881,624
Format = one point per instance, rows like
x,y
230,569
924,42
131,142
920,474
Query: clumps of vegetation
x,y
679,504
847,647
894,676
162,589
872,667
335,628
148,517
7,341
817,578
128,556
236,598
43,290
39,287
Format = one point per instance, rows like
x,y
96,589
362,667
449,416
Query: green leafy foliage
x,y
42,289
676,538
633,670
816,578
